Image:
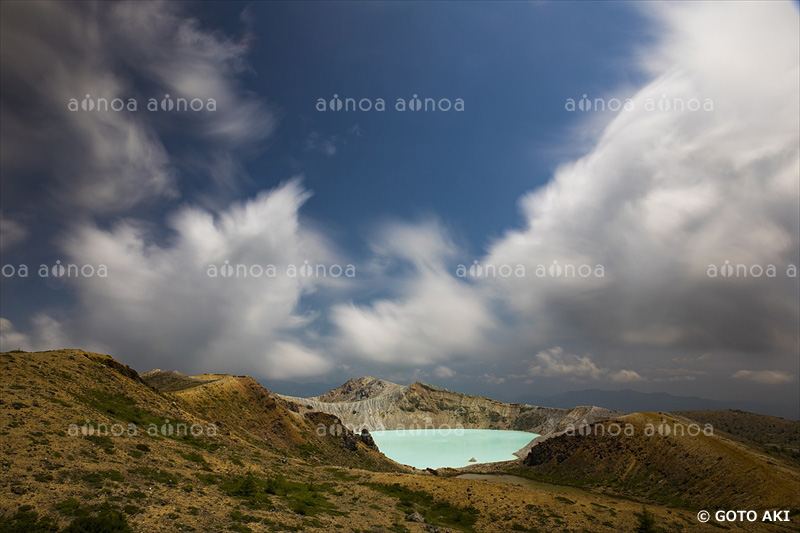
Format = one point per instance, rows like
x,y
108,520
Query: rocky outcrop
x,y
367,439
358,389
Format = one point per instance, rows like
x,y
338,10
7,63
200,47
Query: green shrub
x,y
647,523
193,457
26,520
103,441
120,407
302,498
108,520
156,475
131,509
137,495
96,479
70,507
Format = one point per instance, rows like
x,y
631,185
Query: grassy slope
x,y
773,434
691,471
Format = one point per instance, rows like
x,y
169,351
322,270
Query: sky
x,y
501,198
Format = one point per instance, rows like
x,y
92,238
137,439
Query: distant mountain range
x,y
631,401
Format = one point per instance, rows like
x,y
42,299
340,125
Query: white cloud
x,y
188,61
47,335
554,362
159,303
12,232
11,339
659,197
625,376
444,372
436,317
328,146
290,359
766,377
494,380
677,374
662,195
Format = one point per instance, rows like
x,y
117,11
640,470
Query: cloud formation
x,y
12,232
765,377
109,161
556,363
663,194
173,301
435,315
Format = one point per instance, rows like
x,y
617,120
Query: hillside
x,y
80,430
376,404
172,381
668,464
774,434
86,439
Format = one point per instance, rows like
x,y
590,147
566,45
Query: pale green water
x,y
437,448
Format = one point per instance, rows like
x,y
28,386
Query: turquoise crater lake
x,y
438,448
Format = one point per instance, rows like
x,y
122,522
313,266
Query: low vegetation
x,y
435,512
301,498
269,469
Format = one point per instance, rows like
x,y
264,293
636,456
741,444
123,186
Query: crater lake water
x,y
438,448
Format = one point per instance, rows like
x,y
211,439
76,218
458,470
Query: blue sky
x,y
468,168
645,199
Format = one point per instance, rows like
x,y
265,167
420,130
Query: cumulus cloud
x,y
47,335
176,301
660,196
494,380
555,362
435,316
664,194
766,377
444,372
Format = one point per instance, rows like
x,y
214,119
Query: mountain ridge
x,y
376,404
